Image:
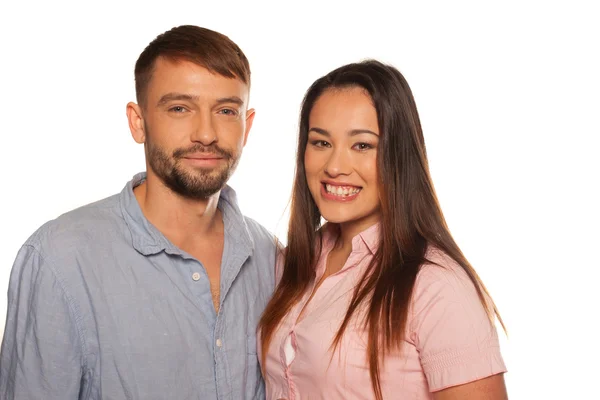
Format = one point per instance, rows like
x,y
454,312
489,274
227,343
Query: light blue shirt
x,y
102,306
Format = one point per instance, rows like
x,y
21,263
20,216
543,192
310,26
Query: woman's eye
x,y
363,146
320,143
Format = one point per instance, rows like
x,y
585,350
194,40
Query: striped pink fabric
x,y
450,340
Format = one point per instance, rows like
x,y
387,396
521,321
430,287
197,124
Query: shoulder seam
x,y
71,304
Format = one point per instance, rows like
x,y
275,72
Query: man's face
x,y
195,125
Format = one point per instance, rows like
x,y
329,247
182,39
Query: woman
x,y
378,303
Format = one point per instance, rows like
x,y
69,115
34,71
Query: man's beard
x,y
196,183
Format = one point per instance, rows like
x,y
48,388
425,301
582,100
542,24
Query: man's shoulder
x,y
265,251
77,227
261,235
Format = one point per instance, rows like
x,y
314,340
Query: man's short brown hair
x,y
209,49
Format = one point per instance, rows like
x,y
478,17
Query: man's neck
x,y
175,216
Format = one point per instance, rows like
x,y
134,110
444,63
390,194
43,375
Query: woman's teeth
x,y
342,190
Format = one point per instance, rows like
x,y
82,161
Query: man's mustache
x,y
213,149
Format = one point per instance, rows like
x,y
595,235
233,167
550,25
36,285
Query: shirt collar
x,y
366,241
369,238
148,240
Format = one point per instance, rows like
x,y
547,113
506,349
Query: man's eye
x,y
228,111
177,109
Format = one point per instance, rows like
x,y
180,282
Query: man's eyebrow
x,y
189,97
231,99
176,96
353,132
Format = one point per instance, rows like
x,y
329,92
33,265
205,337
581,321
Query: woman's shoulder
x,y
441,279
439,265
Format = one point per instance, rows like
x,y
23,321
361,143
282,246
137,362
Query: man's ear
x,y
249,120
136,122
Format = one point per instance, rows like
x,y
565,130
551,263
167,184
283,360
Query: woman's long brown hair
x,y
411,219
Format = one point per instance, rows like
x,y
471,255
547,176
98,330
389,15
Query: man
x,y
154,293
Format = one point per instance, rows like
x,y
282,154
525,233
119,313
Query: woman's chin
x,y
339,218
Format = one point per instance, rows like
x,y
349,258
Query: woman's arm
x,y
458,345
490,388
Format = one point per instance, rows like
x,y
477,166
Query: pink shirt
x,y
450,339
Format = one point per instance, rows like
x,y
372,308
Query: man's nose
x,y
204,130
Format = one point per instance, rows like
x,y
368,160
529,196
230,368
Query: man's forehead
x,y
184,76
166,66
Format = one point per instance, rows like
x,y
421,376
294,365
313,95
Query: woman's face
x,y
341,158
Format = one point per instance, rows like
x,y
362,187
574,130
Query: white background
x,y
509,100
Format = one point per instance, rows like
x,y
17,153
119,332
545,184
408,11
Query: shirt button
x,y
195,276
219,343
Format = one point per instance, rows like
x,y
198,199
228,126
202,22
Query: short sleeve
x,y
41,355
456,341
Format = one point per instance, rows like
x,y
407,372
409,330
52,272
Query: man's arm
x,y
41,356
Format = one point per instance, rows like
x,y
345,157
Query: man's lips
x,y
203,157
203,160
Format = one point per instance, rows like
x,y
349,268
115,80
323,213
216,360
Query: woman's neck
x,y
348,231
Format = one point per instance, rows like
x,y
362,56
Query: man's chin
x,y
200,172
197,193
